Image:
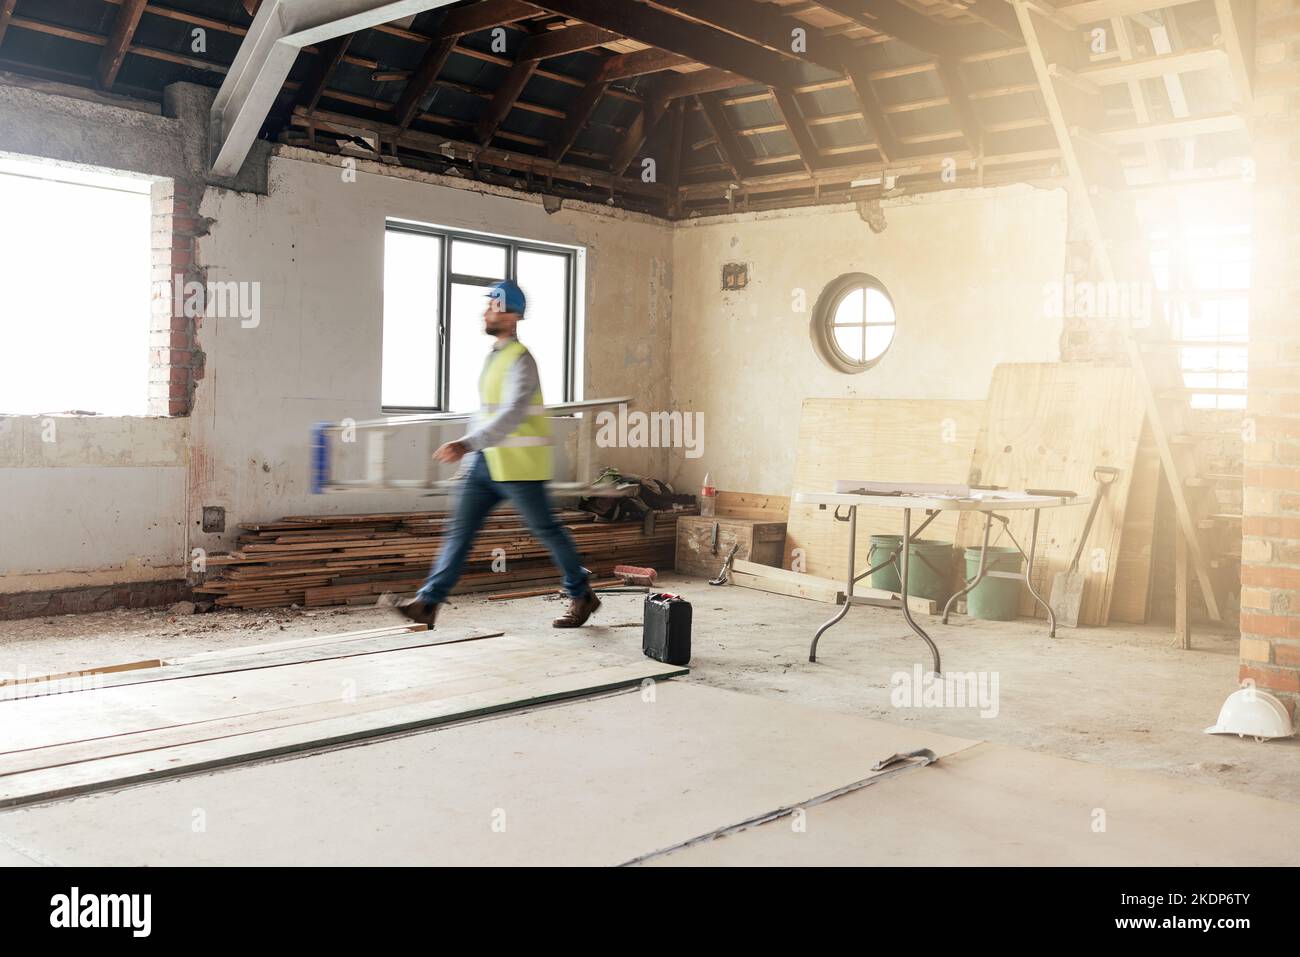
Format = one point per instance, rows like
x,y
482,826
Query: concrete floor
x,y
1118,696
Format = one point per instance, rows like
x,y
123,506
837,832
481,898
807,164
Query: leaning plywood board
x,y
87,766
1048,425
889,440
997,806
593,781
1131,598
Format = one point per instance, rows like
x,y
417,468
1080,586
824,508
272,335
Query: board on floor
x,y
991,805
241,707
590,781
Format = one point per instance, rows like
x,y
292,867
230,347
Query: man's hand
x,y
451,452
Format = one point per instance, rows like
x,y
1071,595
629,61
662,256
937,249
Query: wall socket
x,y
214,518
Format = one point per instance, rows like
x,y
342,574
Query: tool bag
x,y
666,632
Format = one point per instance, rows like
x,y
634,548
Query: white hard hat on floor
x,y
1255,713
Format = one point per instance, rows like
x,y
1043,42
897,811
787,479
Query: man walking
x,y
509,450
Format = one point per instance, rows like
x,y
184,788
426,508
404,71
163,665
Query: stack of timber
x,y
354,559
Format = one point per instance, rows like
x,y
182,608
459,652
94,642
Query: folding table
x,y
933,499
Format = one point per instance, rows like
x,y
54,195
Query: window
x,y
435,289
853,323
1203,275
75,286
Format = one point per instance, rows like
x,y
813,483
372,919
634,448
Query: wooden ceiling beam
x,y
6,14
728,145
534,50
701,43
119,41
788,109
331,54
461,20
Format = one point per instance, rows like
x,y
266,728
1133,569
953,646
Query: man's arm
x,y
522,384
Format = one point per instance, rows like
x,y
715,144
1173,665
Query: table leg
x,y
1029,578
979,572
848,594
907,611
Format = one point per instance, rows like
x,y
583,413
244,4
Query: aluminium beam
x,y
278,32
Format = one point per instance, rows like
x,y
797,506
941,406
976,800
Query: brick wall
x,y
1270,574
176,362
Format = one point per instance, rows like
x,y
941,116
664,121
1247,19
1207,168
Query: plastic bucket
x,y
994,599
929,571
882,546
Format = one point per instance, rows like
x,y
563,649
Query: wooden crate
x,y
761,542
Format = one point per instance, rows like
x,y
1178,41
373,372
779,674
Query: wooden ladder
x,y
1108,214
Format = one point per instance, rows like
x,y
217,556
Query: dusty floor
x,y
1120,696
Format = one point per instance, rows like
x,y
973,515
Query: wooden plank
x,y
6,15
814,589
780,581
1048,425
753,505
897,440
1131,599
119,41
1182,593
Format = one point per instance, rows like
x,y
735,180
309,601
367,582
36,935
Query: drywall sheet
x,y
883,440
587,782
1048,425
999,806
60,744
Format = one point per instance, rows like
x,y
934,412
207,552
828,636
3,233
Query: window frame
x,y
822,327
512,246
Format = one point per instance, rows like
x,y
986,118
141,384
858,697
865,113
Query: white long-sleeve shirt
x,y
491,426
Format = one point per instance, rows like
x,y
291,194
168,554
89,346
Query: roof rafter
x,y
119,41
701,43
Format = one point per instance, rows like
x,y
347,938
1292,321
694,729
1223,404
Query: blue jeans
x,y
478,495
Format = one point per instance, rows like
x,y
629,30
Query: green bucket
x,y
930,575
994,599
882,546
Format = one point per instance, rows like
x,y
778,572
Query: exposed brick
x,y
1270,679
1258,599
1270,626
1255,649
1286,654
1271,527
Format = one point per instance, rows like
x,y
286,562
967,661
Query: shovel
x,y
1067,586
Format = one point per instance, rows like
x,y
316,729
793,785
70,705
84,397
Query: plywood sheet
x,y
1131,599
891,440
594,781
1048,425
53,744
996,806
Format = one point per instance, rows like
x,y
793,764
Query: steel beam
x,y
280,29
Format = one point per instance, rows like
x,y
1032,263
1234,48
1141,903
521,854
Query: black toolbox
x,y
666,634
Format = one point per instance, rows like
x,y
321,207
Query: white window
x,y
75,290
1203,274
435,291
853,323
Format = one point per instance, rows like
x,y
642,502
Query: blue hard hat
x,y
506,296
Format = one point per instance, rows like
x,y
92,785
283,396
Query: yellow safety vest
x,y
525,454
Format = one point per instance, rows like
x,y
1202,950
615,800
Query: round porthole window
x,y
853,323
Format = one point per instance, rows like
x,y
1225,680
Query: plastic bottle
x,y
708,496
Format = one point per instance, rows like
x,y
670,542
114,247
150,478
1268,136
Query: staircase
x,y
1058,49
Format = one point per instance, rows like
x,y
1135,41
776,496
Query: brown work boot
x,y
418,611
580,609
